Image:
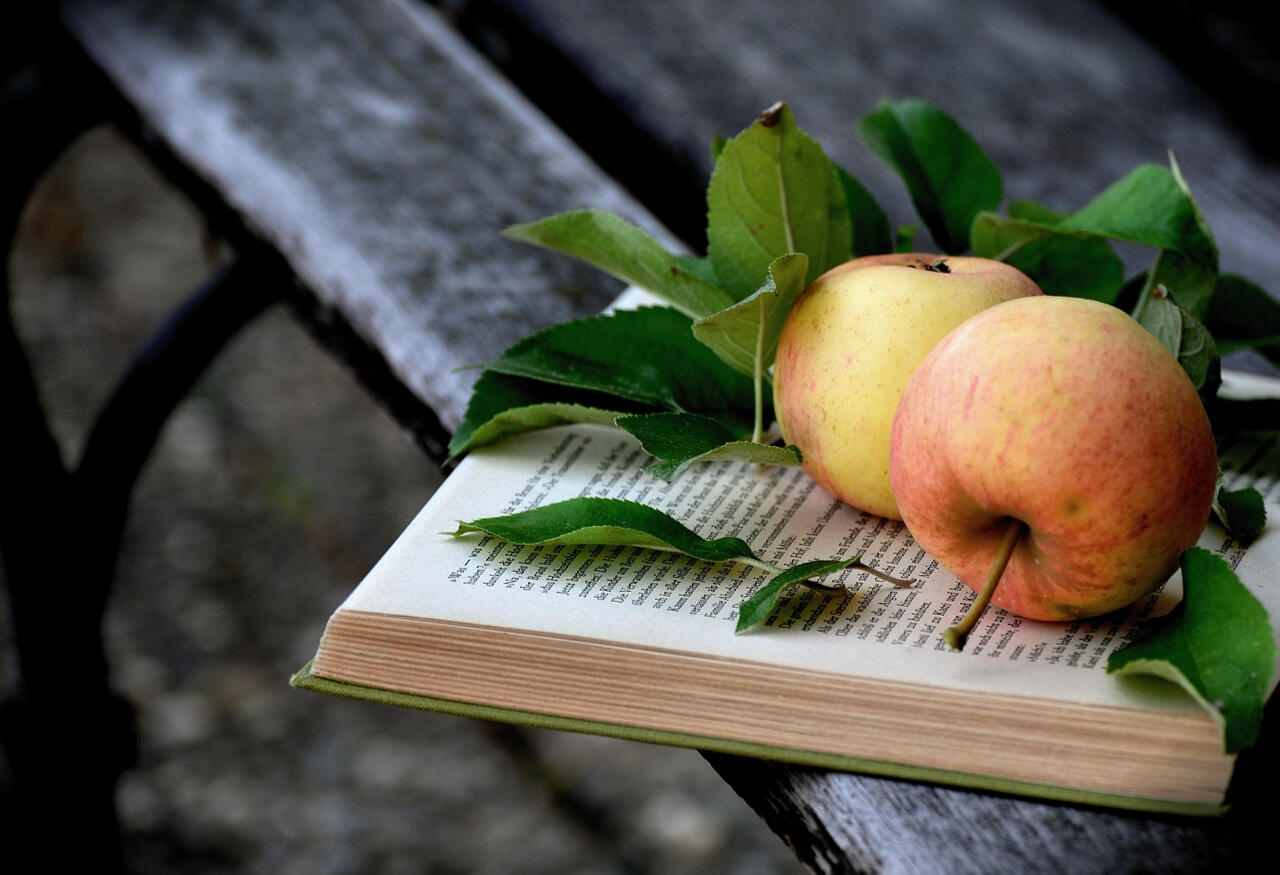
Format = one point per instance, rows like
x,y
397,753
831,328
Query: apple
x,y
850,343
1058,441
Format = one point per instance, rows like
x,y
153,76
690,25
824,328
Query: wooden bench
x,y
363,157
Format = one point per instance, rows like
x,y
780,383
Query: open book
x,y
640,644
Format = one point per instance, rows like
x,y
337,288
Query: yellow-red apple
x,y
848,347
1066,430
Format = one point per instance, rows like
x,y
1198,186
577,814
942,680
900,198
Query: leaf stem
x,y
857,566
759,563
896,581
1012,248
786,212
956,635
758,430
1147,286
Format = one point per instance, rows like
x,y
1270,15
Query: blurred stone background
x,y
276,485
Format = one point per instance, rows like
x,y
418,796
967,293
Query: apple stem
x,y
956,635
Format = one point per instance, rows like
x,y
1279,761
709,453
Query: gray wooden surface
x,y
381,156
376,152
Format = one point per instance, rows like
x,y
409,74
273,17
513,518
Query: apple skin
x,y
1067,415
850,343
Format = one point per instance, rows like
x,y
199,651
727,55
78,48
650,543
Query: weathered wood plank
x,y
850,823
368,145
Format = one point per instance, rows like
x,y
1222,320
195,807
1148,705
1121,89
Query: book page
x,y
668,600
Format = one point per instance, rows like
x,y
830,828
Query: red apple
x,y
1064,429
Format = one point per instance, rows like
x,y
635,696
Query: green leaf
x,y
1176,170
904,239
1146,206
949,177
1032,211
745,335
1241,511
699,267
761,604
871,232
1185,337
629,523
1000,237
649,356
1242,315
521,419
605,521
677,440
1217,644
1061,262
1152,206
1191,275
623,250
1192,281
1066,266
502,406
774,192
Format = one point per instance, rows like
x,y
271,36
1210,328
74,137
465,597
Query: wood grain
x,y
380,155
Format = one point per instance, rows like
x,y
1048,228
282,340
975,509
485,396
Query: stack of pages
x,y
640,644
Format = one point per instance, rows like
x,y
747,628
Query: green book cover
x,y
304,679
